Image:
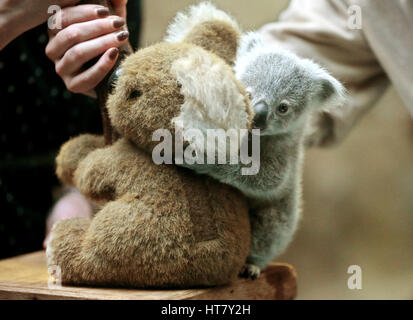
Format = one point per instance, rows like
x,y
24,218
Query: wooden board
x,y
26,277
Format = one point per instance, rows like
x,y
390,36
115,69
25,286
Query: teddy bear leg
x,y
119,245
64,247
72,152
128,243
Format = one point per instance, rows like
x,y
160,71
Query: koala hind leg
x,y
272,229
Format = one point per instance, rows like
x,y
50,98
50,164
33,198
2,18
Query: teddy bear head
x,y
184,82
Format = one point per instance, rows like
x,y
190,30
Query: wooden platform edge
x,y
25,277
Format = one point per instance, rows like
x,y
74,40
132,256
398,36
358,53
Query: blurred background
x,y
358,196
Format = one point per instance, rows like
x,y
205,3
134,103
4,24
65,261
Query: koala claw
x,y
250,271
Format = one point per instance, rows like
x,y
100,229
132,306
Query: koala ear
x,y
331,90
328,91
249,41
246,51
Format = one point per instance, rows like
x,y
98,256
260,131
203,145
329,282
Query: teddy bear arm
x,y
96,176
72,152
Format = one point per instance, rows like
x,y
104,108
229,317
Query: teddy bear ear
x,y
208,27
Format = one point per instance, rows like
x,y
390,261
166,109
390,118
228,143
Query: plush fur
x,y
207,106
159,225
207,27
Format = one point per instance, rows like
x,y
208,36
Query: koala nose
x,y
261,113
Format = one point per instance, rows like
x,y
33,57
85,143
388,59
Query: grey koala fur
x,y
274,78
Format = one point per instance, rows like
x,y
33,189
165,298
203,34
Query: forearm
x,y
239,170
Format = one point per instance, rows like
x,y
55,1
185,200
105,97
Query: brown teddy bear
x,y
159,225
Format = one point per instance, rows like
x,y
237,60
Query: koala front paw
x,y
250,271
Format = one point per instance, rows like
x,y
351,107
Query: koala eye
x,y
135,94
283,108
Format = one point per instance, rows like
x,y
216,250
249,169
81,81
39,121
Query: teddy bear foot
x,y
64,246
250,271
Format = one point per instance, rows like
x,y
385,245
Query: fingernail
x,y
102,12
117,23
123,35
113,53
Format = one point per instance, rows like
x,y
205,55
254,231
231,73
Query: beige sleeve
x,y
318,30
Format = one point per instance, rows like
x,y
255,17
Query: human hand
x,y
18,16
71,205
87,32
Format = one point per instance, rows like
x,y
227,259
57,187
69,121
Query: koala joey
x,y
284,90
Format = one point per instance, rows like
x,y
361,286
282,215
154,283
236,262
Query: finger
x,y
46,241
81,53
77,14
86,81
80,32
91,93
